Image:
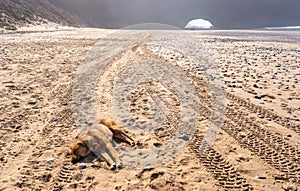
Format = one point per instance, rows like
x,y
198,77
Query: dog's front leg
x,y
109,154
101,151
109,160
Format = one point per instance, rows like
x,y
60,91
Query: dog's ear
x,y
95,146
99,120
82,144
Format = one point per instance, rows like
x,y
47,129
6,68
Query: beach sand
x,y
257,148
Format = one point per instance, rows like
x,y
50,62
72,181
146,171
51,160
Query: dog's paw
x,y
120,165
113,166
132,144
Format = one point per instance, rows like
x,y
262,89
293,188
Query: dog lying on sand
x,y
99,140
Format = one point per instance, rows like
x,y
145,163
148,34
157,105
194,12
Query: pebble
x,y
261,177
184,137
148,168
258,97
89,123
10,86
82,165
197,179
56,118
32,101
157,144
201,69
51,160
255,85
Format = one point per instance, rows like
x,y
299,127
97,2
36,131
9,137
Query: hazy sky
x,y
222,13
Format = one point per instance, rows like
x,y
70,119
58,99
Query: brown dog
x,y
99,140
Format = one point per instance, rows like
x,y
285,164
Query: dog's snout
x,y
74,161
77,159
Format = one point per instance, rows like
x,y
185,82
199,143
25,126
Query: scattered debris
x,y
148,168
184,137
56,118
82,165
89,123
260,96
197,179
271,96
51,160
261,177
157,144
32,101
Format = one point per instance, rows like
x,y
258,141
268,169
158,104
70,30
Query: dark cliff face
x,y
14,12
222,13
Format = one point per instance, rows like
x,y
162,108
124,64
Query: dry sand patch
x,y
260,136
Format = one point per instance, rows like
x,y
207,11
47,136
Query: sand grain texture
x,y
260,135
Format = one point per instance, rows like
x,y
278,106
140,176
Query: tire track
x,y
31,177
270,147
290,169
265,112
154,91
285,160
276,141
273,140
70,177
223,171
37,174
212,159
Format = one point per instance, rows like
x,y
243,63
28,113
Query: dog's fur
x,y
99,140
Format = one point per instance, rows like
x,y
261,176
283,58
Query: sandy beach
x,y
257,147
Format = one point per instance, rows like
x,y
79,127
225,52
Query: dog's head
x,y
79,151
